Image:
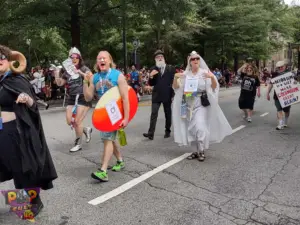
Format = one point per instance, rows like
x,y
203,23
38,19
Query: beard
x,y
160,63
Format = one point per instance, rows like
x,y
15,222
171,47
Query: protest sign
x,y
21,202
287,89
70,68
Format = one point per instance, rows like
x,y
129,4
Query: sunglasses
x,y
75,57
194,59
2,57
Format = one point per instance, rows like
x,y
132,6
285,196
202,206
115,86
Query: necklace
x,y
101,80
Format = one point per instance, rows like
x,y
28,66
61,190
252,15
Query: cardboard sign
x,y
191,85
287,89
20,202
113,112
70,68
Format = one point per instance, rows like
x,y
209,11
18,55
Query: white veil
x,y
203,64
218,123
203,68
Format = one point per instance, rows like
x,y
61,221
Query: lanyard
x,y
101,80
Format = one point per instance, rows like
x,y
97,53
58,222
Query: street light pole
x,y
136,44
124,35
28,42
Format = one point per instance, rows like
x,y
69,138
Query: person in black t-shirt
x,y
77,106
250,83
282,113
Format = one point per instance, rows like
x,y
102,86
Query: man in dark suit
x,y
161,78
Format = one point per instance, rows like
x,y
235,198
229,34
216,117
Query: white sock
x,y
280,123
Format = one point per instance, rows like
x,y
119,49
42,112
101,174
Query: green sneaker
x,y
120,165
100,175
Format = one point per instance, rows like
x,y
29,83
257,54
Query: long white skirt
x,y
198,126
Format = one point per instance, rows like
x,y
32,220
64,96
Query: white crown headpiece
x,y
74,50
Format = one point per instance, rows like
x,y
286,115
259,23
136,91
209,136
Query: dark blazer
x,y
162,85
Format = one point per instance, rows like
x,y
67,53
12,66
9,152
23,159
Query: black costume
x,y
162,94
24,154
248,91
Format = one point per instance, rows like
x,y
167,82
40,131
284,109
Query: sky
x,y
290,1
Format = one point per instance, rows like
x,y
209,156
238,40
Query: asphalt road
x,y
252,177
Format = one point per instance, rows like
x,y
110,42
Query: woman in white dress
x,y
197,116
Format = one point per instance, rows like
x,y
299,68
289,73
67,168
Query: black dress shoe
x,y
167,135
148,136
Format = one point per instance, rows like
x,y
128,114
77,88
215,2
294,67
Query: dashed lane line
x,y
238,128
264,114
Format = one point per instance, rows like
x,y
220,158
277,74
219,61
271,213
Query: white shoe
x,y
88,134
249,119
279,127
76,148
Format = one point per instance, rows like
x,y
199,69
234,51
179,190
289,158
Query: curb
x,y
142,103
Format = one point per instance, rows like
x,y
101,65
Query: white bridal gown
x,y
205,124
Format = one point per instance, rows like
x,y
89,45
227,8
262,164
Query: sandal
x,y
201,157
194,155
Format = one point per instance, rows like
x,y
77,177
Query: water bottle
x,y
183,111
122,137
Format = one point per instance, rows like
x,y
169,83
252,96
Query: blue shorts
x,y
110,136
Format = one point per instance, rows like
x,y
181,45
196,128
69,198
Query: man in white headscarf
x,y
197,116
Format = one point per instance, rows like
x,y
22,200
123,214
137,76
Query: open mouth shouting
x,y
102,63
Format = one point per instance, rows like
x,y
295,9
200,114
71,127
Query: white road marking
x,y
136,181
238,128
262,115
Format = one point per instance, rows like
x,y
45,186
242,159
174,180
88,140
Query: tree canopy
x,y
221,30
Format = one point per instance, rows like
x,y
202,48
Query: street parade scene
x,y
180,112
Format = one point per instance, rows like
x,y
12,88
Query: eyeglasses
x,y
2,57
75,57
194,59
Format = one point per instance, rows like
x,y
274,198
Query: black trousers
x,y
154,115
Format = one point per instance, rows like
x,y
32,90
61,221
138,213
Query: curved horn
x,y
20,58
